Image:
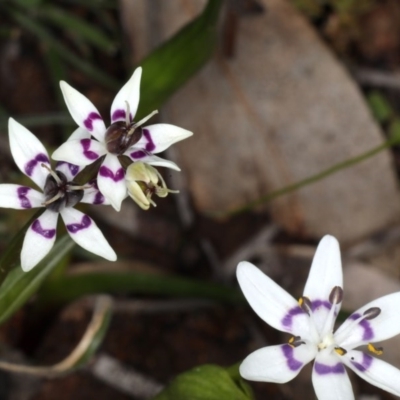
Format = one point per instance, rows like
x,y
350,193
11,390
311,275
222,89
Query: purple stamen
x,y
85,223
107,173
46,233
30,165
88,122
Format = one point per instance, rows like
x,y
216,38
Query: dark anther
x,y
305,304
58,194
120,136
296,341
336,295
372,313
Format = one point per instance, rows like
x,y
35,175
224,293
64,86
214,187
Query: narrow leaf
x,y
84,31
173,63
19,286
74,285
78,62
207,382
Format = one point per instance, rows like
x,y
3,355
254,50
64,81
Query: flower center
x,y
121,135
59,193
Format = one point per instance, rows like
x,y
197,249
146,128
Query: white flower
x,y
311,322
123,137
59,195
142,183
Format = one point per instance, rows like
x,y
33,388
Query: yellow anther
x,y
291,340
375,350
340,350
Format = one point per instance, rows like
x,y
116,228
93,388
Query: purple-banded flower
x,y
142,182
311,321
124,137
59,194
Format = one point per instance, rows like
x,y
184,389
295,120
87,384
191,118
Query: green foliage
x,y
207,382
19,286
173,63
380,107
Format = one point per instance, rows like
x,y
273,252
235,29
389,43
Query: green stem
x,y
311,179
71,287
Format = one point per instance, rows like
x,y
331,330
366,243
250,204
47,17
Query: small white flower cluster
x,y
125,137
310,322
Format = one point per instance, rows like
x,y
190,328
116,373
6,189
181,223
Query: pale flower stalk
x,y
311,322
58,195
124,137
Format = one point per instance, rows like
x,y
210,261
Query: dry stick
x,y
311,179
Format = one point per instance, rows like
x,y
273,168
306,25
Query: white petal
x,y
375,371
79,133
79,152
382,327
272,303
94,196
325,274
20,197
69,170
111,182
278,364
28,152
139,155
83,112
330,379
158,137
129,93
39,239
85,232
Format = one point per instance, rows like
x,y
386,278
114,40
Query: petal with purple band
x,y
330,379
69,170
382,327
84,113
270,301
28,152
86,234
111,182
139,155
325,274
19,197
80,152
374,371
94,196
129,93
39,239
277,364
159,137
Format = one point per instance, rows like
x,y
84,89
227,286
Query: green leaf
x,y
207,382
79,28
394,130
46,37
85,349
11,255
174,62
380,107
75,285
19,286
